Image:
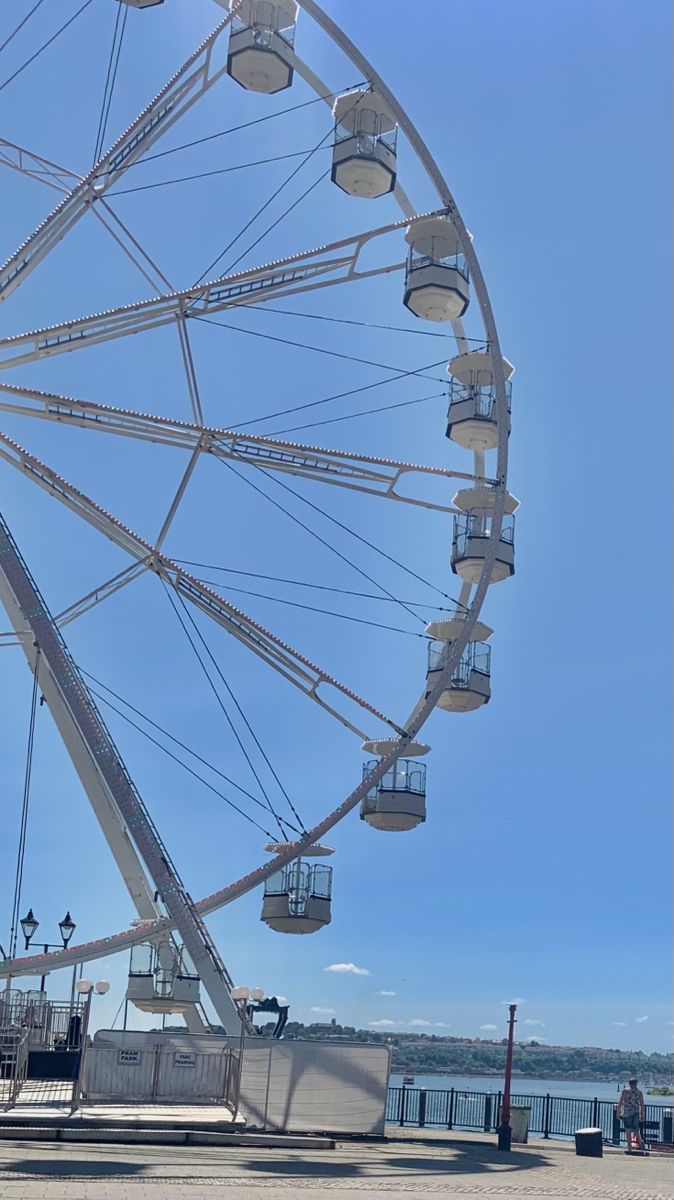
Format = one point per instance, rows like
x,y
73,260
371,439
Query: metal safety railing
x,y
48,1024
13,1064
550,1116
481,396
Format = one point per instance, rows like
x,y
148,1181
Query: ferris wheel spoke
x,y
193,80
310,270
122,235
100,593
34,166
87,602
49,173
287,661
355,471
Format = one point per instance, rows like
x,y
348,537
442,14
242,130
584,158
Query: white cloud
x,y
515,1000
490,1027
384,1023
419,1021
326,1011
669,1022
534,1021
535,1039
441,1025
282,999
620,1024
346,969
640,1020
383,992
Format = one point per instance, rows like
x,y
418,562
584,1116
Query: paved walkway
x,y
393,1170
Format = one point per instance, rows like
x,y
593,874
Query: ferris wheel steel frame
x,y
193,79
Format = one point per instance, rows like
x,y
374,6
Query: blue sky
x,y
543,870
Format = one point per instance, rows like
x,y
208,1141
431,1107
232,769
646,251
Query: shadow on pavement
x,y
71,1168
457,1161
314,1168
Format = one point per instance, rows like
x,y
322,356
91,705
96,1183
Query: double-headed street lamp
x,y
30,925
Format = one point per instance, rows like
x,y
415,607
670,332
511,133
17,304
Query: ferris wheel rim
x,y
147,930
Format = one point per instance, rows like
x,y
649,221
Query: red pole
x,y
504,1130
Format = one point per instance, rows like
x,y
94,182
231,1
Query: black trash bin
x,y
589,1143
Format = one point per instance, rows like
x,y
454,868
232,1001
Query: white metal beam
x,y
34,166
324,266
102,769
354,471
193,79
100,796
288,662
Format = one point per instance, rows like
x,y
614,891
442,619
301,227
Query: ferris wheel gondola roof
x,y
304,850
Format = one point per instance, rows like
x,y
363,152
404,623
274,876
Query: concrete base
x,y
147,1124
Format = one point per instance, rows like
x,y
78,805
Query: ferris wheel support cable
x,y
174,757
271,199
270,337
326,612
230,691
259,162
288,210
295,171
21,24
323,541
367,387
321,587
221,705
367,412
359,537
171,737
291,207
23,825
282,112
44,46
110,79
289,312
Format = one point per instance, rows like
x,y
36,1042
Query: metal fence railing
x,y
13,1065
550,1116
48,1024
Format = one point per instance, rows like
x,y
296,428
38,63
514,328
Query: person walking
x,y
632,1109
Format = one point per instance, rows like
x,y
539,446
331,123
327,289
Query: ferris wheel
x,y
425,258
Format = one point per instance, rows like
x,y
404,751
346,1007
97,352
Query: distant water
x,y
576,1089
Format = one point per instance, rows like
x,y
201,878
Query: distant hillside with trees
x,y
428,1054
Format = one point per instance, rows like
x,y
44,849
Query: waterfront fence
x,y
551,1116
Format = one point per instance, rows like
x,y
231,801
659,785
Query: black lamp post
x,y
30,925
67,928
